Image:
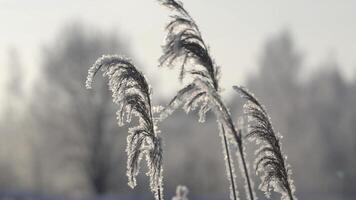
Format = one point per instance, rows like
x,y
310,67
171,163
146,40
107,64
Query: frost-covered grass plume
x,y
185,48
270,163
131,93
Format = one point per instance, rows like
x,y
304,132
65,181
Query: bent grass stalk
x,y
184,44
270,162
131,92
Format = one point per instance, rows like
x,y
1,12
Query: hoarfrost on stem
x,y
230,169
248,182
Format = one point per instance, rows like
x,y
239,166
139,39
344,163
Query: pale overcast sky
x,y
235,30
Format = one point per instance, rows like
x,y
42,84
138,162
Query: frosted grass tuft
x,y
270,162
181,193
131,93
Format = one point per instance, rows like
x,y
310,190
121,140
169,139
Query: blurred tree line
x,y
60,138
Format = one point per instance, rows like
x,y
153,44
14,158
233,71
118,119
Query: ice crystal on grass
x,y
181,193
269,163
131,93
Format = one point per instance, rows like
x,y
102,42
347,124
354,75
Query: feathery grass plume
x,y
184,46
181,193
276,173
184,43
131,93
